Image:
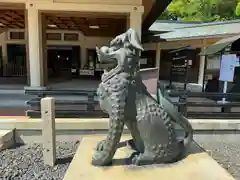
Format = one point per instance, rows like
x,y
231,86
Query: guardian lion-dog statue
x,y
125,98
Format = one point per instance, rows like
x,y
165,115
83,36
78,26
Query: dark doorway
x,y
148,58
76,51
16,65
63,61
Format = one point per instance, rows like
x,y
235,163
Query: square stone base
x,y
197,165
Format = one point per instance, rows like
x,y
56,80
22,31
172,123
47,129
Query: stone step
x,y
7,139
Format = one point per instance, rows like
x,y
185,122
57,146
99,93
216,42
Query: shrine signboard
x,y
179,67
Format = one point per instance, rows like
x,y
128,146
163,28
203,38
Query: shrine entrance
x,y
63,61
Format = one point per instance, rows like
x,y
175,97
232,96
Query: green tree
x,y
202,10
238,8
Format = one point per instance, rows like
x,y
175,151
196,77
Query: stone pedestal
x,y
197,165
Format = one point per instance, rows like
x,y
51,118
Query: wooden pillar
x,y
83,55
35,48
4,58
44,50
158,57
135,22
127,22
27,48
202,65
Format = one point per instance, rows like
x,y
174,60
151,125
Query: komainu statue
x,y
125,98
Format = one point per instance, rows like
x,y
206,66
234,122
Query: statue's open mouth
x,y
105,58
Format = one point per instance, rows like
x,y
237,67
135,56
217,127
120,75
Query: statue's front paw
x,y
135,159
100,145
142,159
100,159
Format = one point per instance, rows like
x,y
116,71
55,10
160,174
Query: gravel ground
x,y
225,149
26,162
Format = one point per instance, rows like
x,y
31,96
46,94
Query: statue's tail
x,y
178,118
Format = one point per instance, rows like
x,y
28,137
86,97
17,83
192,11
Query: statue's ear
x,y
97,49
134,39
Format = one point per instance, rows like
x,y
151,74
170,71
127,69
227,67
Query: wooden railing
x,y
14,70
203,105
71,107
83,103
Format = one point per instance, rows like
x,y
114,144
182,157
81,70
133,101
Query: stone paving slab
x,y
197,165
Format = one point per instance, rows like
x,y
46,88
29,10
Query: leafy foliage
x,y
238,8
202,10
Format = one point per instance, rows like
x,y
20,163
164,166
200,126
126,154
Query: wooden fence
x,y
203,105
80,103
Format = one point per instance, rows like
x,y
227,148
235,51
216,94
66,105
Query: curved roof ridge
x,y
212,24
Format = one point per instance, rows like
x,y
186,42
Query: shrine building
x,y
44,42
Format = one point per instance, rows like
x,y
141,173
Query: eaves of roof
x,y
206,30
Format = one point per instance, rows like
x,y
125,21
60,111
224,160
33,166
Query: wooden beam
x,y
21,25
15,14
85,7
86,14
10,18
16,4
147,6
7,24
108,27
157,9
3,21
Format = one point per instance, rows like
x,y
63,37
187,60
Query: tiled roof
x,y
220,45
166,26
203,30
